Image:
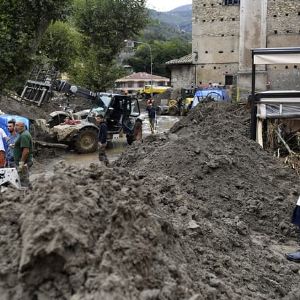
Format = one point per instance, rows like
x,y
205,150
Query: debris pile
x,y
239,196
199,213
14,106
89,234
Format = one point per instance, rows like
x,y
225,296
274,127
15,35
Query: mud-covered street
x,y
150,150
117,147
197,212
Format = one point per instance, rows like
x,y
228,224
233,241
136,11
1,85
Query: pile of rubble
x,y
199,213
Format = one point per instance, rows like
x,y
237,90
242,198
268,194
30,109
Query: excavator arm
x,y
41,85
69,89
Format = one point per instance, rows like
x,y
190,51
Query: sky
x,y
166,5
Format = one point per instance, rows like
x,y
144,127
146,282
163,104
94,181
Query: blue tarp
x,y
5,118
217,94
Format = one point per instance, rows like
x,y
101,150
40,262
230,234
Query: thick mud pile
x,y
199,213
239,201
89,234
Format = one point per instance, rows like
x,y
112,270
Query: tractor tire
x,y
86,141
173,111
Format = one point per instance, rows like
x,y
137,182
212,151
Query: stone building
x,y
182,72
225,31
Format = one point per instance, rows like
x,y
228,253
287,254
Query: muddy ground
x,y
201,212
11,104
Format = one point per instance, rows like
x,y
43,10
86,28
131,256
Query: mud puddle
x,y
163,124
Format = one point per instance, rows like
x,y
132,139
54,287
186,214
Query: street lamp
x,y
150,50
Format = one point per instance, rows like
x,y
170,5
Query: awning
x,y
268,56
274,59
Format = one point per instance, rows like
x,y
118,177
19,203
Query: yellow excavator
x,y
180,107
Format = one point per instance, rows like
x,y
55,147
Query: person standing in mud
x,y
102,139
2,148
152,116
23,153
149,103
10,161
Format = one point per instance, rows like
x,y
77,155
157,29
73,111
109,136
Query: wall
x,y
224,35
215,39
182,76
215,73
283,30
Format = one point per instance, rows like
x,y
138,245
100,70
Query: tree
x,y
22,25
93,75
162,51
105,24
61,45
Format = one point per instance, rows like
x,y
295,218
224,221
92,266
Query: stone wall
x,y
183,76
217,32
215,73
283,30
215,39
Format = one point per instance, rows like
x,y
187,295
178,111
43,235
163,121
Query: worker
x,y
149,103
23,153
2,148
295,256
152,117
102,138
10,161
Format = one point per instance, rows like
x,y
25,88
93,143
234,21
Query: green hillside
x,y
171,24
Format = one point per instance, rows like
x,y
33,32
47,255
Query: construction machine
x,y
179,106
149,90
79,130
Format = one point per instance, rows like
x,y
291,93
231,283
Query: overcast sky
x,y
166,5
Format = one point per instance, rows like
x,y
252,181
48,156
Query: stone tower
x,y
225,31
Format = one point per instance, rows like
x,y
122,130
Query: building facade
x,y
182,72
136,81
225,31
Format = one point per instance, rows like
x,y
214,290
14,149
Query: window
x,y
231,2
228,80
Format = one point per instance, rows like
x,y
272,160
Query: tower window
x,y
231,2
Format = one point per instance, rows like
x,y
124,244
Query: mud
x,y
239,201
13,105
200,212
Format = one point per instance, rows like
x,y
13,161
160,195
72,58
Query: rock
x,y
150,294
193,224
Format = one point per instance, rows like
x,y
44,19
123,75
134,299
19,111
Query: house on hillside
x,y
136,81
182,72
225,31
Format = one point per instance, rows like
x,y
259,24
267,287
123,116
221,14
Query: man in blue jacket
x,y
10,140
152,117
102,139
